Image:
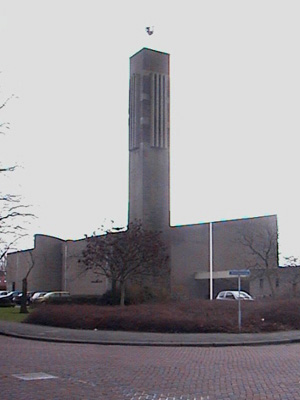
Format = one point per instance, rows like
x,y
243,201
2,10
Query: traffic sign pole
x,y
240,311
239,273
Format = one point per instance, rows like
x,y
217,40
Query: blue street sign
x,y
239,272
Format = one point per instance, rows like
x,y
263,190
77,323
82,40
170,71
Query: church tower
x,y
149,138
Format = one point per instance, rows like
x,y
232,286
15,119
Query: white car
x,y
233,295
36,296
52,295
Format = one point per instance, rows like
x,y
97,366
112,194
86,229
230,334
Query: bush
x,y
186,317
137,294
58,300
88,299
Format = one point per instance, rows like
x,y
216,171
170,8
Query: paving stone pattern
x,y
90,372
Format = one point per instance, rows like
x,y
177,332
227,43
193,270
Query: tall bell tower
x,y
149,139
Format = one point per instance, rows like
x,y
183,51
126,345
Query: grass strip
x,y
12,314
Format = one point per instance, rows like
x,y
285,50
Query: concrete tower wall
x,y
149,115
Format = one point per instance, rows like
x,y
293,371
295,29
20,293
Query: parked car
x,y
12,294
233,295
52,296
7,300
36,296
3,292
18,298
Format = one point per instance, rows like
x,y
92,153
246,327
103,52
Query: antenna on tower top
x,y
150,30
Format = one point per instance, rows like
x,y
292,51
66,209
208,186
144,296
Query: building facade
x,y
200,255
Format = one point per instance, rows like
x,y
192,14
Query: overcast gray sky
x,y
234,108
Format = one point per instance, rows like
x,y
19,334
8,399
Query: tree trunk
x,y
271,285
122,288
295,289
23,308
114,291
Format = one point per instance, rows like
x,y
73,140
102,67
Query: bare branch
x,y
126,255
13,215
261,243
6,101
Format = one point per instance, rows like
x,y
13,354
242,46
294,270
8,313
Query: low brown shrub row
x,y
185,317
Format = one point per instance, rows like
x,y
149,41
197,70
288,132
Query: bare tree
x,y
121,256
13,213
261,243
4,125
292,266
23,308
12,217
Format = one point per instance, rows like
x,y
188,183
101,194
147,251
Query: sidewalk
x,y
52,334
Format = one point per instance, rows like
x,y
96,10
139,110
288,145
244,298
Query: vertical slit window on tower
x,y
133,131
163,113
159,112
156,110
132,113
166,113
152,109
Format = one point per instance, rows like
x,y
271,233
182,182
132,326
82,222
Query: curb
x,y
149,343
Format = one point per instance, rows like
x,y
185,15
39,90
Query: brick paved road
x,y
88,372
